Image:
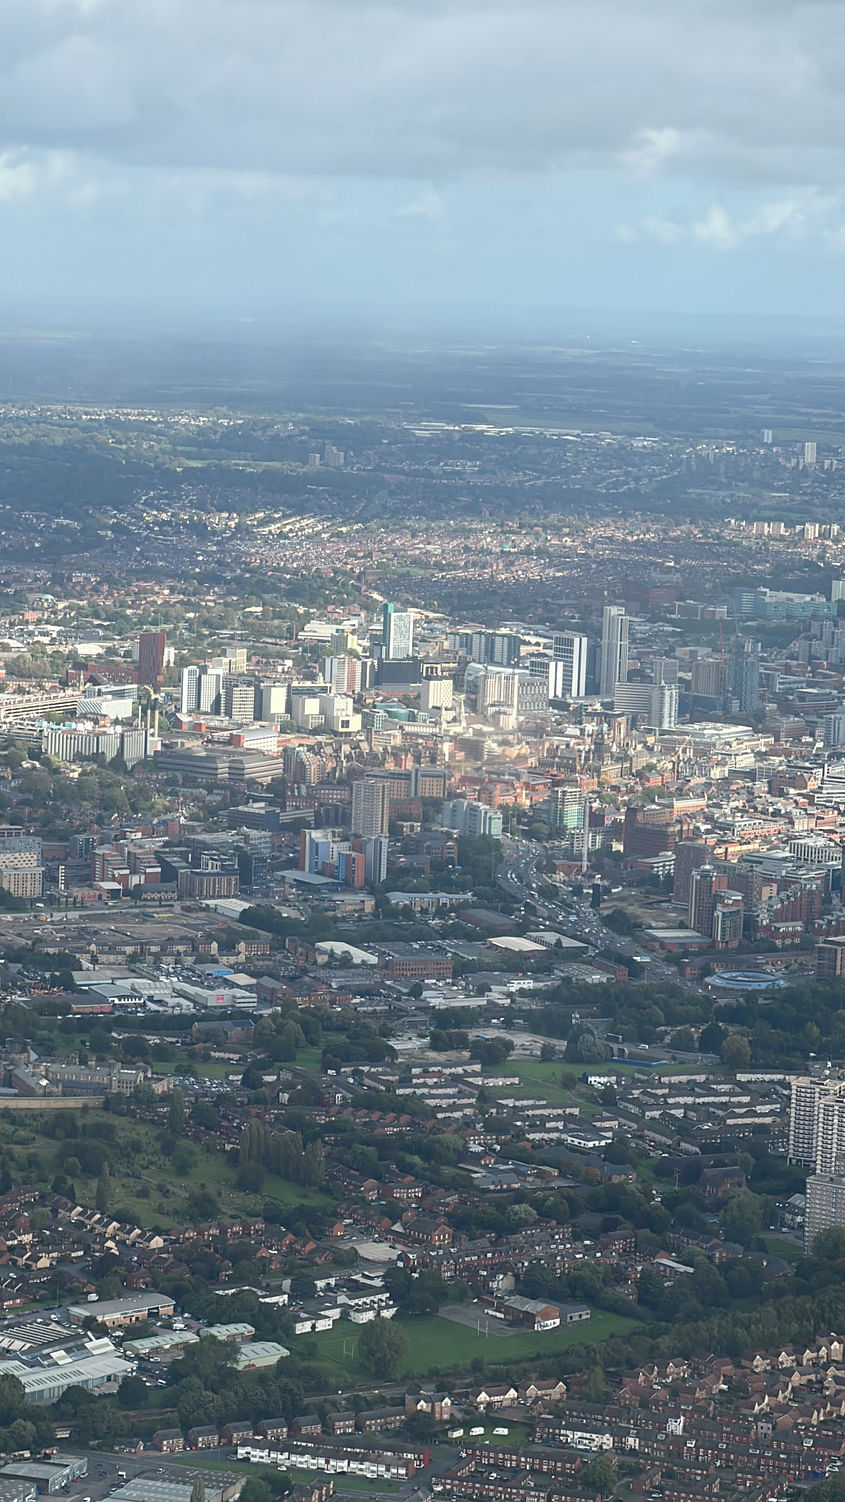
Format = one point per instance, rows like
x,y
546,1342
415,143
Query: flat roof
x,y
676,935
337,948
38,1380
105,1308
516,944
550,938
257,1352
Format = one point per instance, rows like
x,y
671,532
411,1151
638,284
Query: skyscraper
x,y
614,649
817,1139
568,669
375,857
370,806
189,690
151,645
397,633
689,856
704,884
746,676
813,1100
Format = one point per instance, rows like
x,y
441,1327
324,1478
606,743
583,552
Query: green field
x,y
439,1345
149,1185
518,1434
213,1070
779,1246
560,1083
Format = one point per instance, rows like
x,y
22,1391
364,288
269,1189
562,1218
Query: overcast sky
x,y
244,156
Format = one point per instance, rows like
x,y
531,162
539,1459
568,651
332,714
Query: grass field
x,y
440,1345
213,1070
518,1434
560,1082
779,1246
150,1186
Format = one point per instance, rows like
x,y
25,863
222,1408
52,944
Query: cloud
x,y
748,93
427,204
790,218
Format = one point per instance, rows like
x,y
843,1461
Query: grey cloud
x,y
430,88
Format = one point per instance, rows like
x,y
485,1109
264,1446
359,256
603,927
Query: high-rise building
x,y
200,690
568,669
273,701
833,728
343,673
375,849
370,806
151,649
436,693
811,1100
745,676
614,649
824,1206
471,819
239,698
809,454
189,690
704,884
655,704
21,868
817,1140
709,678
566,807
830,959
728,913
397,633
210,691
666,669
689,856
503,648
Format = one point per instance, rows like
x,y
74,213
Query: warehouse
x,y
98,1372
258,1355
220,1486
17,1489
47,1478
116,1314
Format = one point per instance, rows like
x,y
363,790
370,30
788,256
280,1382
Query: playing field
x,y
439,1345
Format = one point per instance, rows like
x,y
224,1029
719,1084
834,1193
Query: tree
x,y
102,1198
198,1490
744,1217
585,1048
132,1392
176,1114
711,1038
255,1489
598,1475
381,1348
12,1398
649,1288
735,1052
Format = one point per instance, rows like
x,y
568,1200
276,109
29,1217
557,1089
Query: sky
x,y
236,159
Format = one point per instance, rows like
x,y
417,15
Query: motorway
x,y
521,873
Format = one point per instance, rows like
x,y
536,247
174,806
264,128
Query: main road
x,y
520,875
